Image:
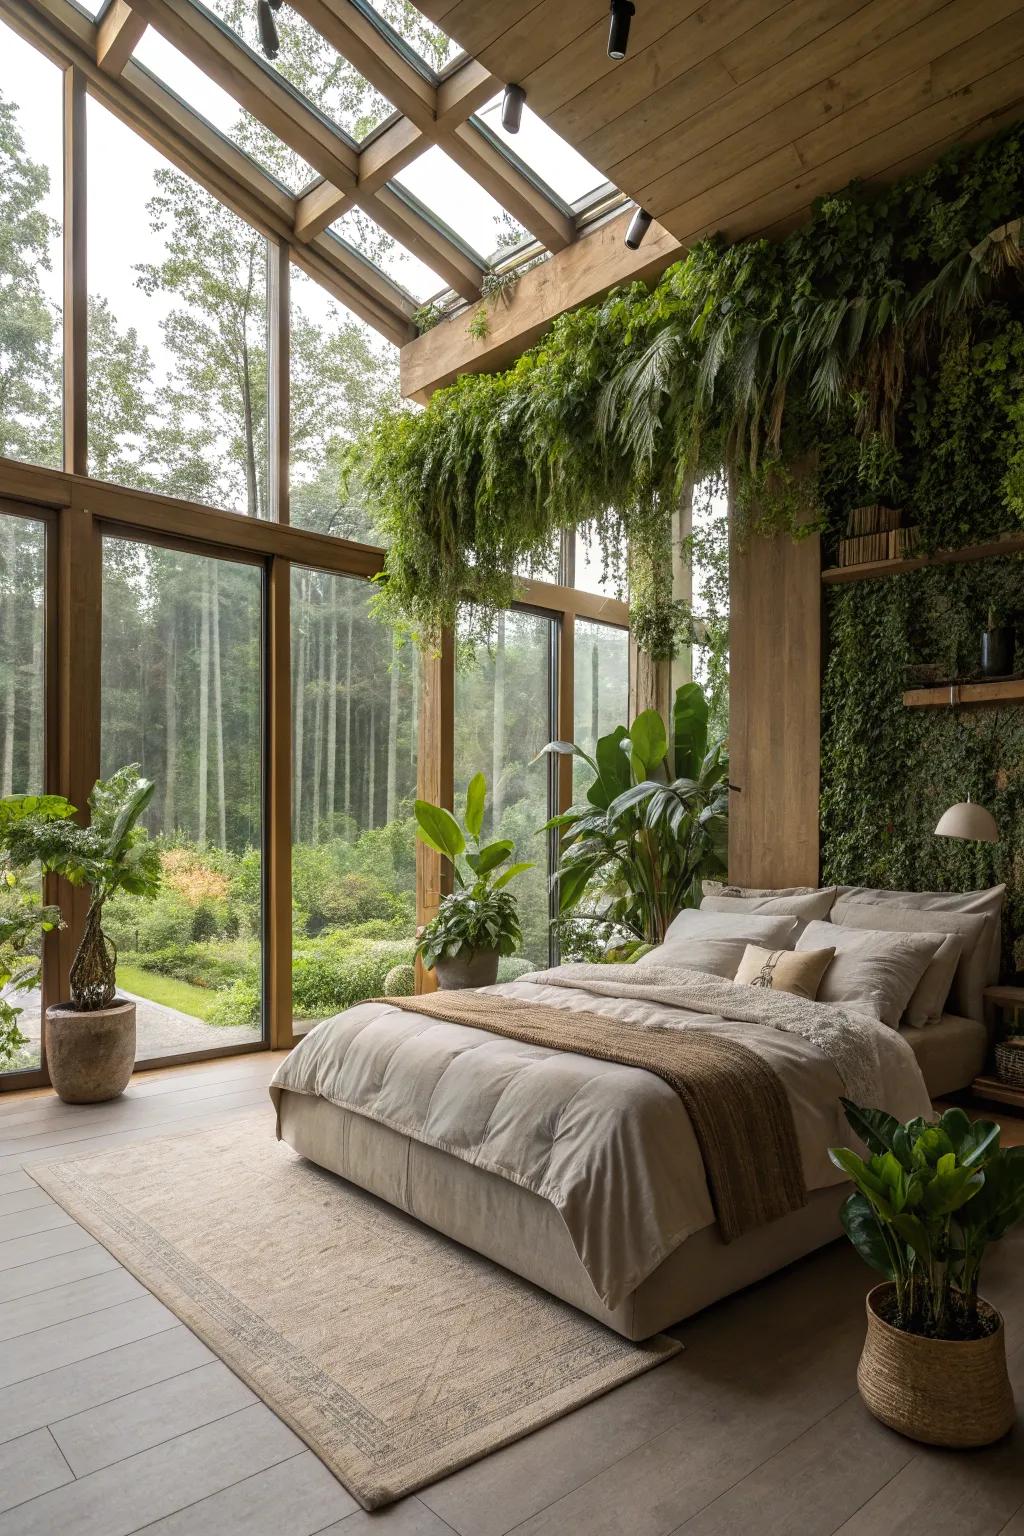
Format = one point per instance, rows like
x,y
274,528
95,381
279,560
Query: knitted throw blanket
x,y
738,1107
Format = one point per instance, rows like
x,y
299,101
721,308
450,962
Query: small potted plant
x,y
998,640
23,922
478,922
90,1041
929,1199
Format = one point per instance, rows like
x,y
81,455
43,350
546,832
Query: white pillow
x,y
969,977
989,901
723,888
874,971
718,957
805,906
752,928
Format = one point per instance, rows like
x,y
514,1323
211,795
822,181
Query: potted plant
x,y
998,639
655,824
478,922
929,1198
23,922
90,1041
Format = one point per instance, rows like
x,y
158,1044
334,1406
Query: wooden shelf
x,y
951,695
986,1087
871,570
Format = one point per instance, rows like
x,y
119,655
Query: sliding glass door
x,y
182,696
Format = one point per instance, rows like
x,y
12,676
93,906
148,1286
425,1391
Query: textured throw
x,y
737,1106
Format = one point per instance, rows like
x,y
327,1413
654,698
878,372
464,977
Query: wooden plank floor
x,y
115,1419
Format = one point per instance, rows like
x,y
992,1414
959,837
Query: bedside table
x,y
1008,1005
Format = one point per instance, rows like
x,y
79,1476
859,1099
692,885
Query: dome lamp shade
x,y
970,821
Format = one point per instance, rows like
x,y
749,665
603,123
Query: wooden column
x,y
435,768
279,807
565,725
278,380
76,310
775,711
681,668
650,683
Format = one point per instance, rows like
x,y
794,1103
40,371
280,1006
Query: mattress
x,y
950,1053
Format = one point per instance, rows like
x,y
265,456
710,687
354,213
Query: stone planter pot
x,y
477,969
951,1392
90,1056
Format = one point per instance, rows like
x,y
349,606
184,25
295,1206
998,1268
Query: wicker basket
x,y
940,1391
1010,1061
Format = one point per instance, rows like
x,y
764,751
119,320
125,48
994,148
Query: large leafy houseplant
x,y
480,917
23,922
654,824
113,853
929,1199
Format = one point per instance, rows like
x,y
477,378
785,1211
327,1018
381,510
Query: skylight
x,y
365,235
544,154
474,215
420,34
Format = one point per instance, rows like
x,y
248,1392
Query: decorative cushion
x,y
718,957
969,975
805,906
784,970
988,901
872,970
751,927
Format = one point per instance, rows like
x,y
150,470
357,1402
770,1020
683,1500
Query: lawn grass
x,y
198,1002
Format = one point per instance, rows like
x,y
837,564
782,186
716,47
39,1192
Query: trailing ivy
x,y
882,342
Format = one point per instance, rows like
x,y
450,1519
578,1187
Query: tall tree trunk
x,y
371,795
218,707
498,737
414,723
392,781
9,660
204,705
300,712
332,703
37,712
595,696
170,721
318,719
251,476
348,704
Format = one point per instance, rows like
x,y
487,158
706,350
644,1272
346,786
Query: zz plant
x,y
113,853
480,916
654,825
929,1199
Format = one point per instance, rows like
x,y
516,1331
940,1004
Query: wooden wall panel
x,y
435,781
775,712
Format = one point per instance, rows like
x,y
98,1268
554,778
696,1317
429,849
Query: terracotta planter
x,y
948,1392
90,1056
477,969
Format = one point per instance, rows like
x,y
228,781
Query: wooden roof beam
x,y
119,31
516,192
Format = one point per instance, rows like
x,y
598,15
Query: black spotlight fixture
x,y
622,13
512,104
639,224
269,40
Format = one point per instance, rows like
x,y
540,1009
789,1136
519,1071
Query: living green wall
x,y
888,771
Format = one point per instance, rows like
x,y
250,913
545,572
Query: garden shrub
x,y
400,981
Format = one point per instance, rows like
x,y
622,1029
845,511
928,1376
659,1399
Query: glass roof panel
x,y
365,235
432,45
220,110
444,188
311,65
544,153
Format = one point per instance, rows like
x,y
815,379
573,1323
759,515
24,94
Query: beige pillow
x,y
805,906
784,970
872,970
969,976
718,957
751,927
723,888
988,901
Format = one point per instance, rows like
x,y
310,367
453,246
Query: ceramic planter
x,y
479,968
952,1392
90,1056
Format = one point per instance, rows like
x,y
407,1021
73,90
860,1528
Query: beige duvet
x,y
611,1147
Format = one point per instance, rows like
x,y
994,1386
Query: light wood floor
x,y
115,1419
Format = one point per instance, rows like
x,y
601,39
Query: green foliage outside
x,y
929,1199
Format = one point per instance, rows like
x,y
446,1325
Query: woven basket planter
x,y
941,1391
1010,1061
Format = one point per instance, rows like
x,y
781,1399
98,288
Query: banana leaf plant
x,y
654,825
481,915
929,1199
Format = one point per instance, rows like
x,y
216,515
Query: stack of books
x,y
874,533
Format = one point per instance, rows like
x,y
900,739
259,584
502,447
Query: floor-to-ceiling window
x,y
503,718
600,690
355,688
182,696
22,717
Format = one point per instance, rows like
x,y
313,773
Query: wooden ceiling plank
x,y
256,89
482,160
355,37
118,34
474,24
772,125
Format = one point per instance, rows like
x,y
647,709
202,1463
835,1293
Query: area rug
x,y
397,1355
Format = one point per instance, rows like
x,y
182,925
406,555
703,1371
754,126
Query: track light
x,y
512,104
269,40
639,224
622,13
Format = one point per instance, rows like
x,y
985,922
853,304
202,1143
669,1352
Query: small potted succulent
x,y
90,1040
928,1200
478,922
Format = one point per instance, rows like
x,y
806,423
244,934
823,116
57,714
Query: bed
x,y
586,1177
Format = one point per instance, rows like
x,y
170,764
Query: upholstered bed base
x,y
522,1231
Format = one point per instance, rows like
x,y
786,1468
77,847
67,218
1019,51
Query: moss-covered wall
x,y
888,772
